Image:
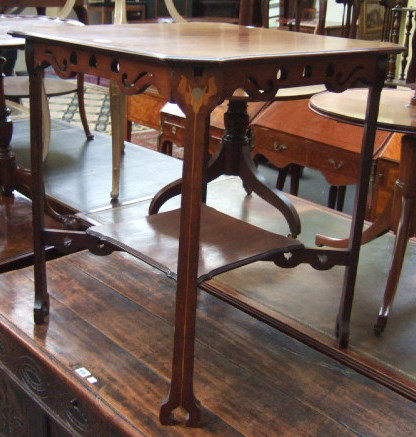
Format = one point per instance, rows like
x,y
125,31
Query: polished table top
x,y
395,111
204,42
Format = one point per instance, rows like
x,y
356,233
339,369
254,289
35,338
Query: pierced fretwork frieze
x,y
132,77
264,82
260,83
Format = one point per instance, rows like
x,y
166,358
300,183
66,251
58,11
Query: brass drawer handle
x,y
279,147
335,164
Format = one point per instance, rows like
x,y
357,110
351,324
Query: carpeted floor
x,y
97,104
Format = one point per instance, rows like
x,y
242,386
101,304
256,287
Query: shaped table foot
x,y
192,409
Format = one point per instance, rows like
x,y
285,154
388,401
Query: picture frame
x,y
371,20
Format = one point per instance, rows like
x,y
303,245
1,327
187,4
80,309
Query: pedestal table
x,y
397,114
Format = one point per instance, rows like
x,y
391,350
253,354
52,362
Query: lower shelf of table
x,y
225,242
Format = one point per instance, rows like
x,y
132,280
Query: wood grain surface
x,y
114,316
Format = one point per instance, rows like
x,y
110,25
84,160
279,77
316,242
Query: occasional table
x,y
397,114
198,66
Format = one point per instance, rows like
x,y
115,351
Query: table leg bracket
x,y
72,241
319,259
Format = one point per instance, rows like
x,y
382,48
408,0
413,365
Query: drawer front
x,y
173,132
340,167
280,149
60,396
176,134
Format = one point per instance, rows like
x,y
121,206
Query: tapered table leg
x,y
198,104
8,164
118,112
405,194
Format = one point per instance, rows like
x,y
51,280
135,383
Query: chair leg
x,y
336,197
281,177
295,172
129,128
295,175
118,116
81,106
341,197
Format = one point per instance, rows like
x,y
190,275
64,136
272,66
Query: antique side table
x,y
198,66
397,114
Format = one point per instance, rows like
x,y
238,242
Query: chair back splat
x,y
399,27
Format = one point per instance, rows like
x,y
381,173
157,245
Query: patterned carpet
x,y
97,105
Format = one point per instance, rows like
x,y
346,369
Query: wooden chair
x,y
399,22
117,113
17,7
18,86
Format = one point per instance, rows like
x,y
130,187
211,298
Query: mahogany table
x,y
397,114
198,66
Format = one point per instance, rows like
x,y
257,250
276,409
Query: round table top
x,y
293,93
395,113
25,22
18,86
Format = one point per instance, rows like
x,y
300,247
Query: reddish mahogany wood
x,y
325,145
155,240
198,77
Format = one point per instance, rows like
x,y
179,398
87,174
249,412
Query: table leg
x,y
8,164
402,237
81,106
118,116
41,307
379,227
342,327
234,158
405,193
181,392
401,209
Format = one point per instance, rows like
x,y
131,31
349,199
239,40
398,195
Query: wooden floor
x,y
304,301
252,380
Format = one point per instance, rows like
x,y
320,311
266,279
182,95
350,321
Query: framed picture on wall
x,y
371,20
